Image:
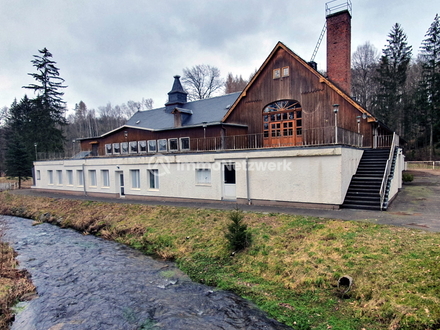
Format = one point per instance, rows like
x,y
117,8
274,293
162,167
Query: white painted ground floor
x,y
317,176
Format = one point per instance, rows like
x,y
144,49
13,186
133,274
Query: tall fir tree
x,y
47,117
429,88
18,160
392,74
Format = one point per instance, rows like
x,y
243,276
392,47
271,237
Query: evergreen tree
x,y
429,89
47,117
19,139
392,74
18,161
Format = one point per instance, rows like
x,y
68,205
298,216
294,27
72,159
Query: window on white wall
x,y
203,176
80,177
135,179
153,178
69,174
50,175
92,178
38,175
59,177
105,178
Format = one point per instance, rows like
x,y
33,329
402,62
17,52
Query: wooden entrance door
x,y
282,124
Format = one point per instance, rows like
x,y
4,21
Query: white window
x,y
285,71
116,148
59,177
124,148
203,176
153,178
162,145
105,178
135,179
184,143
50,175
38,175
152,146
133,147
69,177
80,177
92,178
108,149
142,146
173,145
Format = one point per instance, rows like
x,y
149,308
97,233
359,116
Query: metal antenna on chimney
x,y
331,7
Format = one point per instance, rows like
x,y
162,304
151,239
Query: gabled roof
x,y
321,78
202,111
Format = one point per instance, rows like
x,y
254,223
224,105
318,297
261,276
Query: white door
x,y
120,185
229,188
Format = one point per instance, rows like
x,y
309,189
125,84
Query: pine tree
x,y
48,115
392,74
429,89
18,161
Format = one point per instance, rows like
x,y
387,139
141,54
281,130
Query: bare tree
x,y
364,66
202,81
147,104
234,84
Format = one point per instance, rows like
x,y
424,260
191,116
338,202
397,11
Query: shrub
x,y
407,177
238,235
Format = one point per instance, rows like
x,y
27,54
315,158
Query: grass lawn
x,y
292,267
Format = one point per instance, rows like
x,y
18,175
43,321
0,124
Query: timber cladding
x,y
302,84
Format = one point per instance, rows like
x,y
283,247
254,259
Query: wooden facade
x,y
299,82
287,103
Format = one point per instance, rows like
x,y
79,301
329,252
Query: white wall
x,y
396,182
307,175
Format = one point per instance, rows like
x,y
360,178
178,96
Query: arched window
x,y
282,123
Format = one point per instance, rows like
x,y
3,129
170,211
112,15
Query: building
x,y
292,136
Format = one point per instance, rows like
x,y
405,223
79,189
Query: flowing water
x,y
85,282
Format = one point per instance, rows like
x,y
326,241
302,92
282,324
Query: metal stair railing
x,y
387,171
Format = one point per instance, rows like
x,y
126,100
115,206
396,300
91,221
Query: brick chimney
x,y
339,49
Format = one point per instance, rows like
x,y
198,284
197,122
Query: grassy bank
x,y
15,284
290,270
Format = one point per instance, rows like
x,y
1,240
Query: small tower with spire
x,y
177,97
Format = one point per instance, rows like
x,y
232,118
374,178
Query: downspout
x,y
247,183
84,179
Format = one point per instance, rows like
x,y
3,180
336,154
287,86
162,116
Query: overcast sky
x,y
115,51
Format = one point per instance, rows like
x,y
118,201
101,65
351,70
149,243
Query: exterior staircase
x,y
364,189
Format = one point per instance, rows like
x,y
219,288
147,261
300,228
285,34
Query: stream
x,y
85,282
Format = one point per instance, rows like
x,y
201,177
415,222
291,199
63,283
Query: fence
x,y
308,137
304,137
427,165
8,186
